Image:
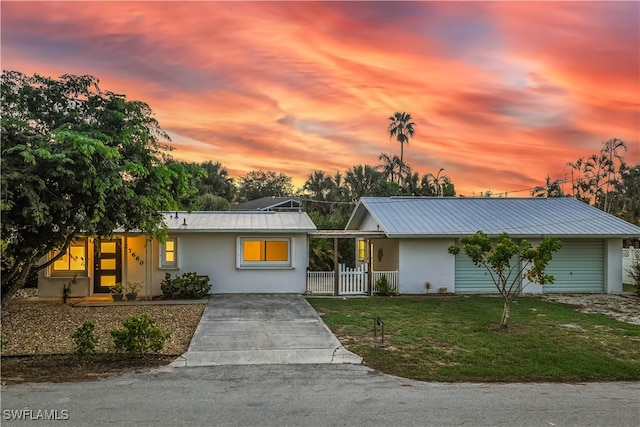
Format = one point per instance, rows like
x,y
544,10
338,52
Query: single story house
x,y
418,230
259,251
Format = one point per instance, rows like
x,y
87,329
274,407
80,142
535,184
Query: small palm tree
x,y
550,189
401,128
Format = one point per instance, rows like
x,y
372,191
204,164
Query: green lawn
x,y
459,339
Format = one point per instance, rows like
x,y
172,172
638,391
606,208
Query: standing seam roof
x,y
438,216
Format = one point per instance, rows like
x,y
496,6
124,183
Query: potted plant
x,y
116,292
131,289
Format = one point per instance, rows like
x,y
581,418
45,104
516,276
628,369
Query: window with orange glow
x,y
169,253
272,252
361,249
74,260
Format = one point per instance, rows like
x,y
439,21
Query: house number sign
x,y
135,256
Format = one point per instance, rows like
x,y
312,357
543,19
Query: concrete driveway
x,y
248,329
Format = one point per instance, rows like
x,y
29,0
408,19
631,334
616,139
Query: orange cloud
x,y
502,93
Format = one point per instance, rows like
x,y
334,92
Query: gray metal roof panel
x,y
443,216
226,221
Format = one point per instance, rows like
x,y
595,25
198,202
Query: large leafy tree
x,y
258,184
401,128
508,261
75,160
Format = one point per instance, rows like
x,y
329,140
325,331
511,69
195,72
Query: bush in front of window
x,y
189,285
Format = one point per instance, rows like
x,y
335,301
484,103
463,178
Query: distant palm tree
x,y
364,181
401,128
216,181
392,168
550,189
319,184
434,185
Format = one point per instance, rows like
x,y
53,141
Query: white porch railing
x,y
352,281
320,282
392,279
628,255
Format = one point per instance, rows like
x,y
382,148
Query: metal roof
x,y
519,217
226,221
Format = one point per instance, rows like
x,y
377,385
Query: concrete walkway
x,y
252,329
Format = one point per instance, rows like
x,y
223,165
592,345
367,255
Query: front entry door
x,y
108,265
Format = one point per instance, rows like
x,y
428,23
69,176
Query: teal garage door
x,y
577,267
470,278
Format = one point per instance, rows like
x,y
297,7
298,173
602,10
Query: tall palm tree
x,y
401,128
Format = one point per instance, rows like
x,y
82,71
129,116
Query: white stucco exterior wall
x,y
422,261
369,224
613,266
214,255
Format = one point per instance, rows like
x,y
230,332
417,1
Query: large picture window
x,y
169,253
74,260
268,252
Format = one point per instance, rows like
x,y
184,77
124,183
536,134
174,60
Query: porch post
x,y
336,272
369,269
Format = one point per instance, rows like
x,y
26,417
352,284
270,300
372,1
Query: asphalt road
x,y
315,395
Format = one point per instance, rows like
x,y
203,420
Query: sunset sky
x,y
502,93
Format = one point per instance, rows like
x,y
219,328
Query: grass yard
x,y
460,339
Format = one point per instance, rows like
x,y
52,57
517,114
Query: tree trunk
x,y
505,314
16,285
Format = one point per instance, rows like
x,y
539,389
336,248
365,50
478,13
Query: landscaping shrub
x,y
85,339
384,288
189,285
138,336
634,272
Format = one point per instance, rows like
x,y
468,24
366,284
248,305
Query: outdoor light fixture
x,y
377,321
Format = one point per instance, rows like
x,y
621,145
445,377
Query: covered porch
x,y
371,264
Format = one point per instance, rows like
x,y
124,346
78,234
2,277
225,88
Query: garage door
x,y
470,278
577,267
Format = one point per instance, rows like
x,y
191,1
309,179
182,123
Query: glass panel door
x,y
108,265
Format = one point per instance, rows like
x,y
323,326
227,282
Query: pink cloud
x,y
502,93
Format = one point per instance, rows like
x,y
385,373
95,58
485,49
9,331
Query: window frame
x,y
162,252
242,264
54,272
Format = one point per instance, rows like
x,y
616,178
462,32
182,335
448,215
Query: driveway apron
x,y
248,329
